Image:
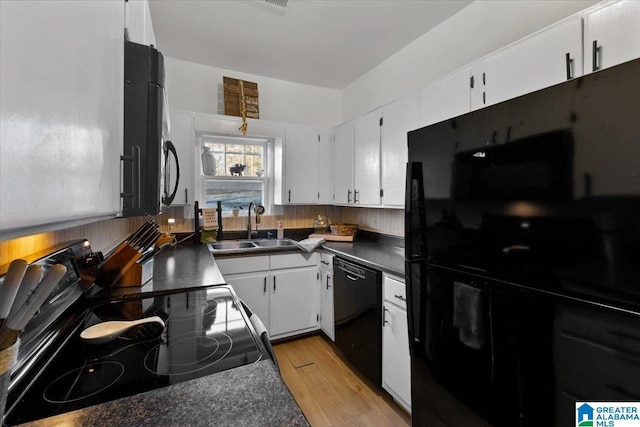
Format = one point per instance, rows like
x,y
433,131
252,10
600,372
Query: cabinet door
x,y
343,163
446,98
326,316
253,290
294,300
612,35
396,363
183,137
366,168
398,118
301,164
61,116
325,167
138,22
544,59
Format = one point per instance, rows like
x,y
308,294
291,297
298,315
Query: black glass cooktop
x,y
205,332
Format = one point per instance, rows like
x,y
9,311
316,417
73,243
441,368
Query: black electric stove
x,y
206,331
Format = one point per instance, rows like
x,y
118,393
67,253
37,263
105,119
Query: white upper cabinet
x,y
61,113
325,167
541,60
612,35
366,168
343,150
183,137
138,22
398,118
301,164
446,98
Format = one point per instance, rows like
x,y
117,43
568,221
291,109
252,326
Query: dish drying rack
x,y
197,211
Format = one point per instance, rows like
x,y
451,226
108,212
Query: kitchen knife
x,y
31,278
10,285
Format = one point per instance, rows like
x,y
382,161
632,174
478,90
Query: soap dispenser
x,y
280,230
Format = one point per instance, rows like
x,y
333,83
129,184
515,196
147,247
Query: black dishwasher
x,y
358,316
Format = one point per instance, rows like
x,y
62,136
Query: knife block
x,y
122,269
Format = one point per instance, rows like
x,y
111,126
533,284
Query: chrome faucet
x,y
257,212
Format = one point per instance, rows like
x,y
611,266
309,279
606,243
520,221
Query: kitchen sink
x,y
221,246
249,246
274,243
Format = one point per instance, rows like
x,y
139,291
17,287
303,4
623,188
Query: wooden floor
x,y
329,392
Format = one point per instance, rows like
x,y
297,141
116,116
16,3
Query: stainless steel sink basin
x,y
221,246
273,243
249,246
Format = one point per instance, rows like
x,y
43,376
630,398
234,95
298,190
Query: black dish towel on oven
x,y
467,315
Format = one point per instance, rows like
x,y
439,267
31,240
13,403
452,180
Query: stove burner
x,y
188,353
83,382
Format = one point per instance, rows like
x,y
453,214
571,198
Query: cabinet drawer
x,y
294,260
395,292
243,264
326,261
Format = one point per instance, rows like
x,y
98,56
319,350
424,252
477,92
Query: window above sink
x,y
234,171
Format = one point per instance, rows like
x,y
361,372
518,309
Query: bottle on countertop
x,y
280,230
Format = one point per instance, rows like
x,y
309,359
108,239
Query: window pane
x,y
233,193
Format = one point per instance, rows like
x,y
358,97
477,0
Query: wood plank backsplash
x,y
104,235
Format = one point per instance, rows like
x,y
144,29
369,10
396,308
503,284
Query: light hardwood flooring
x,y
329,391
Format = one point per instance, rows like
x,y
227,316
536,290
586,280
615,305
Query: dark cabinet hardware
x,y
186,195
264,289
595,54
472,82
355,196
400,297
289,196
328,277
569,62
274,284
348,196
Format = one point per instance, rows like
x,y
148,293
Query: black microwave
x,y
146,169
538,167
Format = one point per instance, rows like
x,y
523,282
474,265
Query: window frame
x,y
265,180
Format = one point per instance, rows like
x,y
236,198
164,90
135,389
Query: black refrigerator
x,y
522,235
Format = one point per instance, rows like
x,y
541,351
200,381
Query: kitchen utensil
x,y
10,287
15,324
108,331
31,278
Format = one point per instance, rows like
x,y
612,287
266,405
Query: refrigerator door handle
x,y
416,276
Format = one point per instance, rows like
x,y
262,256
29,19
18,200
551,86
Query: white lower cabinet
x,y
294,301
283,290
396,362
327,318
252,289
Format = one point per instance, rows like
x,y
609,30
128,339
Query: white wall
x,y
197,87
479,29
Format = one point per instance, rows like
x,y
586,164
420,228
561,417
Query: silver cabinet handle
x,y
351,277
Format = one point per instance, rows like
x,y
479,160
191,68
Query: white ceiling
x,y
328,43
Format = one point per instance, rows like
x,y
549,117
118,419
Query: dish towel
x,y
311,243
467,315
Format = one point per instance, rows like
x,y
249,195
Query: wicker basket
x,y
344,229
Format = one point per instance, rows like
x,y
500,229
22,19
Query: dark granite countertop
x,y
251,395
175,269
385,254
